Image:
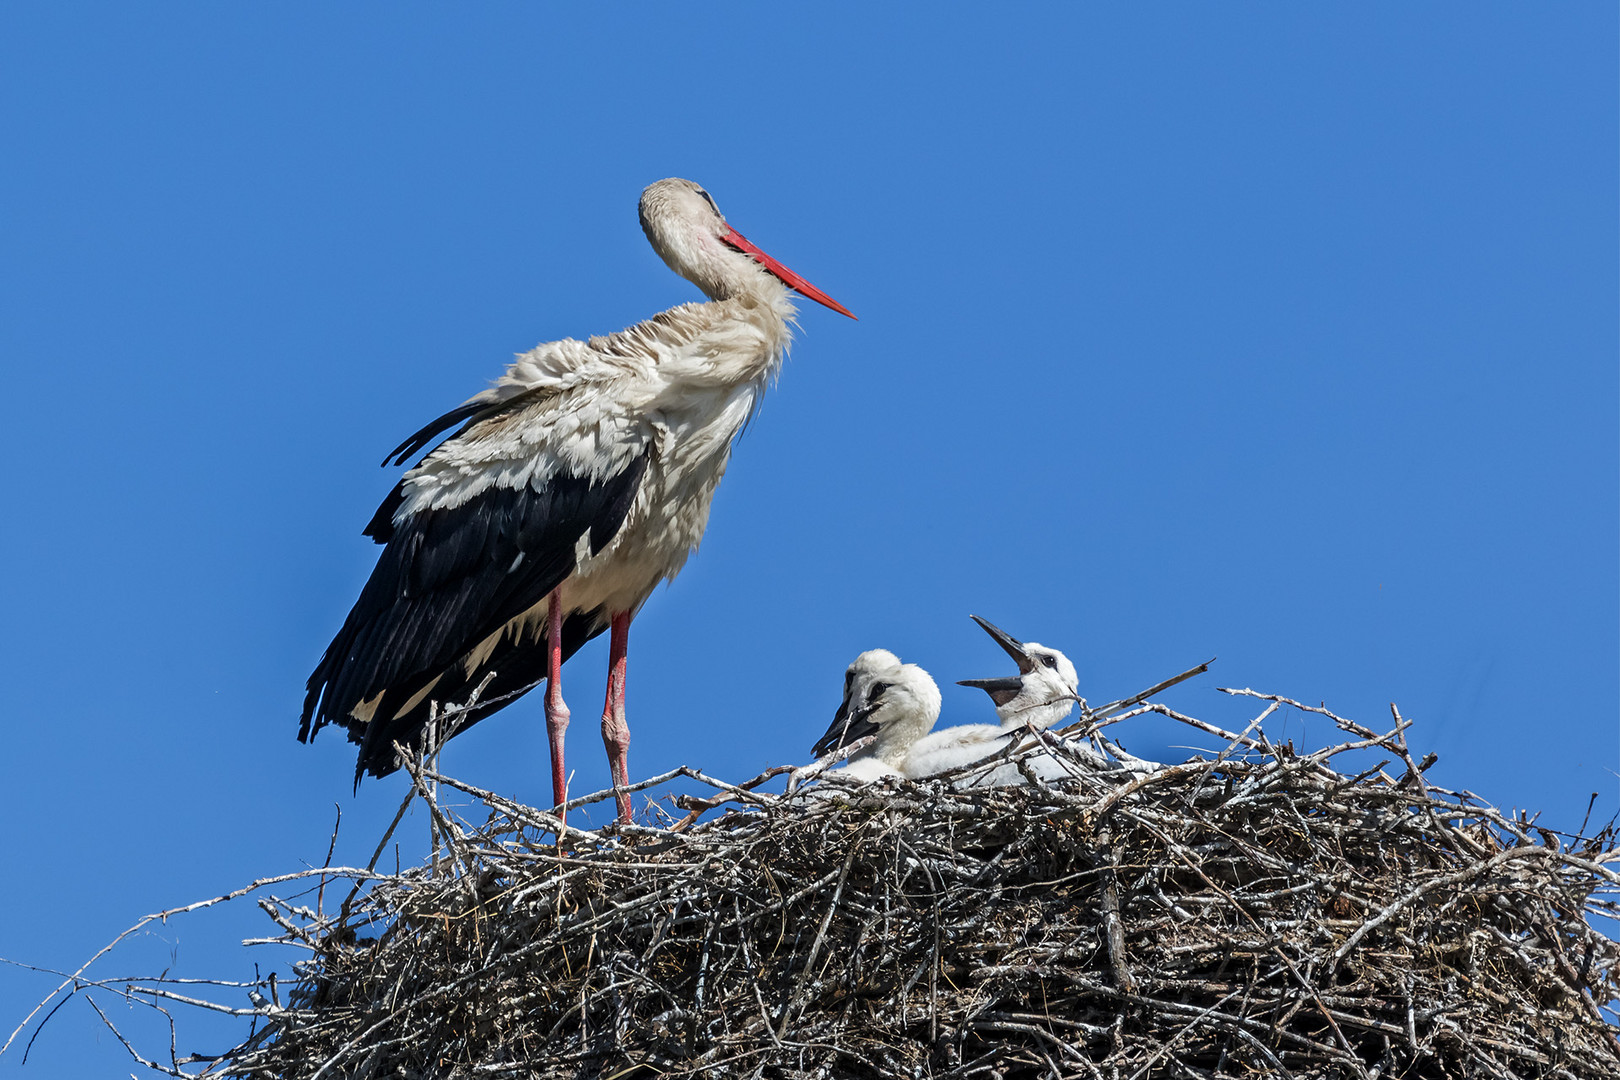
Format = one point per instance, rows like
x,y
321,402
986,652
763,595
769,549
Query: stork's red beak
x,y
789,278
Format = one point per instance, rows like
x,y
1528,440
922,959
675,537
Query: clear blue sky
x,y
1279,333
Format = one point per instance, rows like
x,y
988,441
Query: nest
x,y
1261,913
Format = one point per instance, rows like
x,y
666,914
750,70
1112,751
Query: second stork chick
x,y
1040,695
1043,693
894,702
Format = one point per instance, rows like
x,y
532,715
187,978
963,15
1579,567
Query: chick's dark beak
x,y
1001,691
1013,647
849,723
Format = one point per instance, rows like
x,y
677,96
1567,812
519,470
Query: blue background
x,y
1284,334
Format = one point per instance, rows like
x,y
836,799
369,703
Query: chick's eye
x,y
1049,661
877,691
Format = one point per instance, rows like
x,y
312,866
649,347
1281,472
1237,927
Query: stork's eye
x,y
1049,661
708,199
877,691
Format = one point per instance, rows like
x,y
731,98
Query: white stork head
x,y
1043,692
896,702
691,235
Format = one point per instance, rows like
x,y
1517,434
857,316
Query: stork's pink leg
x,y
615,732
556,710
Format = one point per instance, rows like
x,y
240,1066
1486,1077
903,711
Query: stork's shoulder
x,y
654,339
580,432
732,340
555,392
559,366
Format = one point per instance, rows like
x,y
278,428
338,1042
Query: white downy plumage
x,y
1041,694
895,703
1044,691
955,747
582,478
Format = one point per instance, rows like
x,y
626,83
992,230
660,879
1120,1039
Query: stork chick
x,y
1041,694
898,703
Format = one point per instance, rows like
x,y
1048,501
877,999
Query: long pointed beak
x,y
789,278
1001,691
849,723
1013,647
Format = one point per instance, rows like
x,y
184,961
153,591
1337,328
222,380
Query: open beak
x,y
1013,647
1001,691
789,278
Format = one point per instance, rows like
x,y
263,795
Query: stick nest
x,y
1263,912
1256,914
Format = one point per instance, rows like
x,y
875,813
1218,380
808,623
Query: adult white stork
x,y
580,480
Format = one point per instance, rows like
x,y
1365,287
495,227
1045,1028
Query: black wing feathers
x,y
404,451
381,526
472,412
519,666
447,580
617,505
